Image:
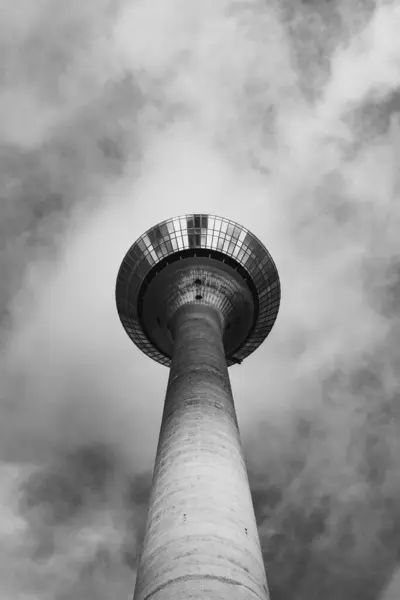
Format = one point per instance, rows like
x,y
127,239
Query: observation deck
x,y
198,259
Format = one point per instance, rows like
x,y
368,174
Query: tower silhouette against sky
x,y
199,293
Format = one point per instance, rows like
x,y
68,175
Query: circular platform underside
x,y
197,280
198,259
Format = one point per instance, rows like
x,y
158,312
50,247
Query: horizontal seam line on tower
x,y
193,577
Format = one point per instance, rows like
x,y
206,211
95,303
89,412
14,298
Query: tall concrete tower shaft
x,y
199,309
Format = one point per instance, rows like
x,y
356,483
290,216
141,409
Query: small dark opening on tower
x,y
199,296
158,320
198,281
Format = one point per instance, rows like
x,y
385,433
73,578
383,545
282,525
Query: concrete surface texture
x,y
201,538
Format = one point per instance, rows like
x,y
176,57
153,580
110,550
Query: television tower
x,y
199,293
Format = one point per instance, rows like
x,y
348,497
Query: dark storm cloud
x,y
84,513
66,486
82,481
329,519
283,115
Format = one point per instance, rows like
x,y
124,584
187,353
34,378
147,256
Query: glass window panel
x,y
164,230
162,249
211,223
190,223
197,221
174,244
183,223
239,245
246,258
218,224
179,241
235,251
142,244
204,221
242,235
261,253
220,243
256,259
147,240
240,254
155,235
214,241
259,281
230,229
192,240
236,231
226,245
204,240
248,241
260,273
224,226
231,247
170,228
169,246
176,225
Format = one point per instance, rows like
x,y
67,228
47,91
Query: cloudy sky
x,y
282,115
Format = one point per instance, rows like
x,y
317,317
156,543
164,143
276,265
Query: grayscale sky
x,y
280,114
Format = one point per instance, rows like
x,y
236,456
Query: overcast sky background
x,y
282,115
